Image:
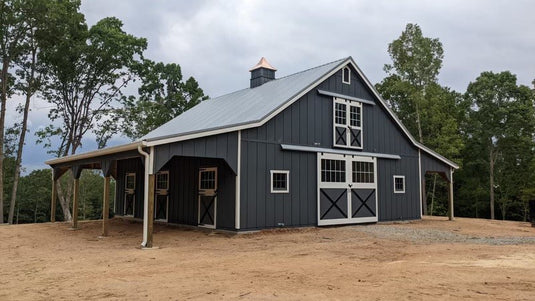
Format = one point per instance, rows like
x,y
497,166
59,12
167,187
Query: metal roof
x,y
249,108
241,107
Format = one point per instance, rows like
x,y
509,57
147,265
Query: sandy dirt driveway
x,y
421,260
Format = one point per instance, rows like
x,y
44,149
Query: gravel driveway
x,y
426,236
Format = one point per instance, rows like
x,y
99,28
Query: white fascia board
x,y
437,155
294,99
258,123
96,153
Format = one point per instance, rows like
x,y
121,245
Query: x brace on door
x,y
207,208
333,203
363,202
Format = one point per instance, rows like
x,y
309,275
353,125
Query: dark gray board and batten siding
x,y
309,122
183,161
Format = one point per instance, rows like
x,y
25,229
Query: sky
x,y
217,42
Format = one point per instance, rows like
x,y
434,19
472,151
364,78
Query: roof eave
x,y
96,153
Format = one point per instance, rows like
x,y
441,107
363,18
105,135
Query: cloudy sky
x,y
218,41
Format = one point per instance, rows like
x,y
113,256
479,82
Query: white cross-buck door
x,y
347,189
207,197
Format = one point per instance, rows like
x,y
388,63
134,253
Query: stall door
x,y
347,189
207,197
129,194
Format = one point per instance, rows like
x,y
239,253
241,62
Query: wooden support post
x,y
105,206
450,198
151,211
76,194
53,200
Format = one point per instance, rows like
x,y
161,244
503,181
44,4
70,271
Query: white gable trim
x,y
296,97
403,128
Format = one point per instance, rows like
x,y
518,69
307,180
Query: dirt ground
x,y
428,259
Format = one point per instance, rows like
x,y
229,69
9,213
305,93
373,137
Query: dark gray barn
x,y
318,147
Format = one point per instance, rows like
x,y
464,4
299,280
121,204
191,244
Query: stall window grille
x,y
333,170
130,181
363,172
340,113
399,184
355,116
162,181
280,181
207,180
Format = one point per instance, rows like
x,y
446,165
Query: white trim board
x,y
262,121
312,149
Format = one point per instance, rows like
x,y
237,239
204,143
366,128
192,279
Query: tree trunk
x,y
5,66
418,123
491,175
64,200
18,160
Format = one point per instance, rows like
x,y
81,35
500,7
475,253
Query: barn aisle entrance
x,y
207,197
347,189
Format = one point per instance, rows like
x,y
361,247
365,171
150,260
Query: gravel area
x,y
427,236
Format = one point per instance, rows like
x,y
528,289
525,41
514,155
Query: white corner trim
x,y
420,183
238,184
287,172
394,182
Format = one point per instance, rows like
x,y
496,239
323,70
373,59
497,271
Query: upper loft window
x,y
347,123
346,75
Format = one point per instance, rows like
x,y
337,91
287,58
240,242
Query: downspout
x,y
145,193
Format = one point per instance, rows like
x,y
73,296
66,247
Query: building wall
x,y
133,165
183,188
309,122
184,185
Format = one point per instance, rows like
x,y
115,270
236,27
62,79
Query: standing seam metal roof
x,y
241,107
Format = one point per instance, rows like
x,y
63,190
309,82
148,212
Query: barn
x,y
318,147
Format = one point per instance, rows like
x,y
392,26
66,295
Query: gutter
x,y
145,194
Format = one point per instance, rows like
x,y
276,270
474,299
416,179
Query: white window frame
x,y
287,172
163,192
394,183
348,80
129,174
348,104
161,173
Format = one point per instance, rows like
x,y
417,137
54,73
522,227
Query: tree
x,y
87,70
163,95
12,32
29,75
431,112
500,129
416,63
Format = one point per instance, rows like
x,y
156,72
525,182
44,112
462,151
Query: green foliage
x,y
415,59
500,127
163,95
429,111
87,70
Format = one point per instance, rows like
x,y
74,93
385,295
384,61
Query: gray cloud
x,y
218,41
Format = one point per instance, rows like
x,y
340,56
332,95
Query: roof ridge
x,y
276,79
302,71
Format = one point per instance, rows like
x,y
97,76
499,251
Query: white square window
x,y
280,181
399,184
